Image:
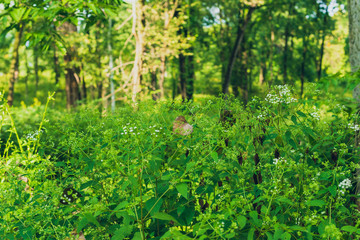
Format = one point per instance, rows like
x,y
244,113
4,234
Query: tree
x,y
354,34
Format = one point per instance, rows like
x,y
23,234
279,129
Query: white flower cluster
x,y
315,115
345,184
133,130
283,95
221,226
279,160
341,107
32,136
355,127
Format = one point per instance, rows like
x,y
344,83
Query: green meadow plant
x,y
279,168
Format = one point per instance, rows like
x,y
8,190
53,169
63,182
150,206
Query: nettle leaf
x,y
17,14
215,156
241,220
300,113
350,229
164,216
182,188
256,220
153,205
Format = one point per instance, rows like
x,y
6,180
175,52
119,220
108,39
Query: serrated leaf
x,y
300,113
241,220
214,156
182,188
121,205
349,229
153,205
251,234
292,143
164,216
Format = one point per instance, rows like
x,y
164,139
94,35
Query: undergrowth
x,y
280,168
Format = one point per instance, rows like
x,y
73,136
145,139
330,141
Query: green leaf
x,y
292,143
215,156
122,233
164,216
153,205
284,200
251,234
349,229
286,236
300,113
256,220
83,222
182,188
121,205
137,236
333,190
271,136
293,118
316,203
18,14
241,220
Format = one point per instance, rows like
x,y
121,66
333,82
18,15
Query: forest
x,y
179,119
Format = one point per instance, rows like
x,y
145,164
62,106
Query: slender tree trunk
x,y
271,57
239,39
26,77
182,75
83,83
319,65
302,75
190,75
354,34
36,68
111,66
354,57
287,35
138,34
14,67
56,66
153,73
285,54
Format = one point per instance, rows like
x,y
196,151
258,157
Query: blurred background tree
x,y
115,51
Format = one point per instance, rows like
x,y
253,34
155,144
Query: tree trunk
x,y
287,35
354,57
354,34
56,66
272,38
239,39
72,86
138,51
155,96
71,72
302,75
111,66
190,75
182,75
83,83
285,53
14,67
26,77
319,65
36,68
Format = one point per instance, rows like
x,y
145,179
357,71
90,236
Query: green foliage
x,y
280,168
